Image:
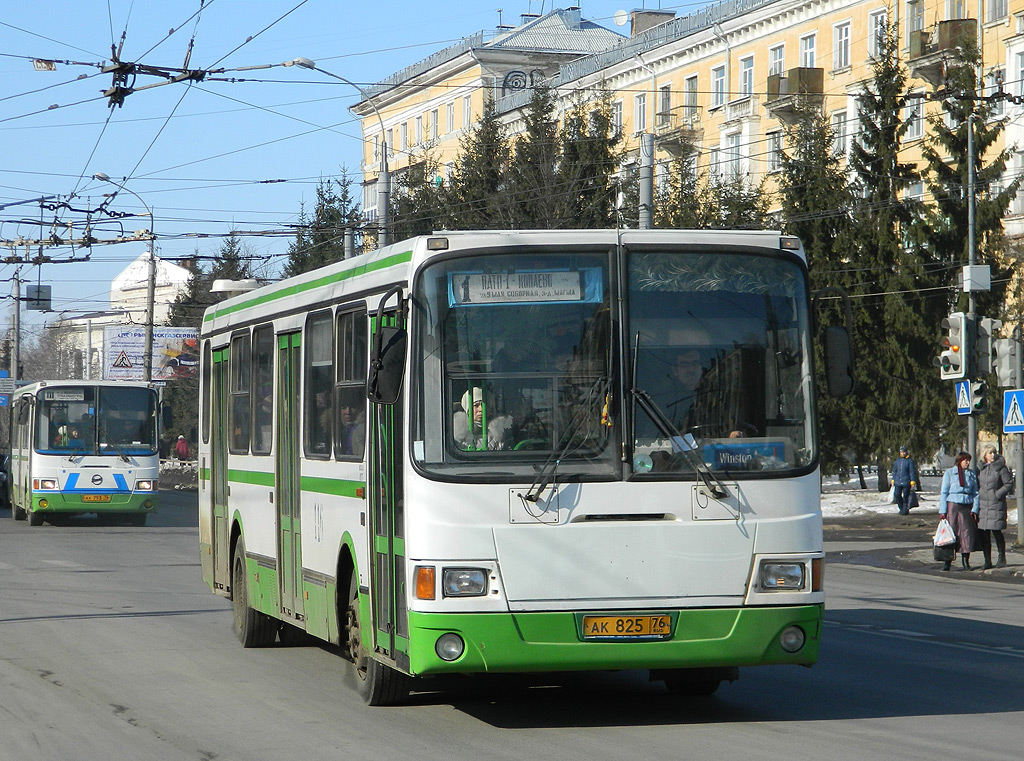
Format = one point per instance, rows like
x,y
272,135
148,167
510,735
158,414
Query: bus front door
x,y
289,535
386,494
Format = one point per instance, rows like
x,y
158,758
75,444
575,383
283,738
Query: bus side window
x,y
263,389
317,390
350,385
239,360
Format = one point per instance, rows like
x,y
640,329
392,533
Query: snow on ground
x,y
850,501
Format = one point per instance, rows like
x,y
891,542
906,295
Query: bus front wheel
x,y
18,512
35,519
378,684
253,629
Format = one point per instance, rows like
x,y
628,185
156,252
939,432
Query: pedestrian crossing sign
x,y
963,398
1013,411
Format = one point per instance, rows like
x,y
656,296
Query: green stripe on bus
x,y
335,486
337,277
256,477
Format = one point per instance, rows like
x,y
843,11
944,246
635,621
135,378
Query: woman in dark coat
x,y
994,483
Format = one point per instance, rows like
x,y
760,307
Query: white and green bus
x,y
527,451
84,447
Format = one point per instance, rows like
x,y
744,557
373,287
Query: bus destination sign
x,y
515,287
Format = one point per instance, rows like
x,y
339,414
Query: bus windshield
x,y
516,359
96,420
719,343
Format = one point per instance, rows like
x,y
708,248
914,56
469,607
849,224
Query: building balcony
x,y
796,89
679,130
931,50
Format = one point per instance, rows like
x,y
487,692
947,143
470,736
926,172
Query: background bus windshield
x,y
90,420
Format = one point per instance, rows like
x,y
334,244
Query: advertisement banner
x,y
175,353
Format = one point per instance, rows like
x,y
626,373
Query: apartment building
x,y
722,81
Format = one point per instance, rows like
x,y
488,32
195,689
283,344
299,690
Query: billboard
x,y
175,353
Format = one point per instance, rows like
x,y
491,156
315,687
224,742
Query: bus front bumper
x,y
118,502
553,641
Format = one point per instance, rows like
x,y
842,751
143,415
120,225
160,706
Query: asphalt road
x,y
111,647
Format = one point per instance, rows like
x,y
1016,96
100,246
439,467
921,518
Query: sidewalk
x,y
860,530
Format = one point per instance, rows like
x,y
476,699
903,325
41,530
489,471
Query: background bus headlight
x,y
777,576
464,582
145,486
49,484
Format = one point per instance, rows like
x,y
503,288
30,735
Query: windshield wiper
x,y
550,466
120,452
687,446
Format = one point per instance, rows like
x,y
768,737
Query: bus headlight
x,y
782,577
44,484
145,486
464,582
449,647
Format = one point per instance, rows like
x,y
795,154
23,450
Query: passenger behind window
x,y
469,434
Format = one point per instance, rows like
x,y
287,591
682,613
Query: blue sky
x,y
206,156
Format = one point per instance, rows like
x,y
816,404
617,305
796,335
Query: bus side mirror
x,y
838,361
387,365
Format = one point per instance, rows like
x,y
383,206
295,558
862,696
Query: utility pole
x,y
972,421
16,341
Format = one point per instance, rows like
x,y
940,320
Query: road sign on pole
x,y
1013,411
963,397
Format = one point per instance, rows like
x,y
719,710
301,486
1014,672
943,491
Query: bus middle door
x,y
289,535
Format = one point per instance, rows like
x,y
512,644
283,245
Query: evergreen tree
x,y
685,200
478,192
815,205
946,235
533,172
321,240
588,169
899,395
419,204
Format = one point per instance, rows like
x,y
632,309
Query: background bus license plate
x,y
626,627
95,497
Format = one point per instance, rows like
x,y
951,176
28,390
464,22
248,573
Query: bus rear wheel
x,y
35,519
253,629
378,684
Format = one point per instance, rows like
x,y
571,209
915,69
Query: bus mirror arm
x,y
387,362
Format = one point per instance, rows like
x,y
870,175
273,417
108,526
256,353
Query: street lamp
x,y
384,179
147,357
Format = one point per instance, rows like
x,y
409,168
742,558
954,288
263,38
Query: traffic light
x,y
979,402
1004,359
953,359
987,330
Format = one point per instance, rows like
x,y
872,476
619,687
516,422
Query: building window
x,y
467,112
403,132
993,84
690,97
957,9
370,201
915,16
732,155
777,59
616,124
841,46
376,149
419,131
996,9
717,86
449,118
774,151
434,118
839,144
714,165
664,105
746,77
877,29
639,113
808,51
913,115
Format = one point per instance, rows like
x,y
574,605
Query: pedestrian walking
x,y
904,478
958,503
995,482
181,448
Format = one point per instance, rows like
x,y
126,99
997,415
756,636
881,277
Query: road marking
x,y
903,634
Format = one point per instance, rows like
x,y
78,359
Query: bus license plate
x,y
627,627
95,497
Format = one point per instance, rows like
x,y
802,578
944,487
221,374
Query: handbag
x,y
944,554
944,535
912,500
892,495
